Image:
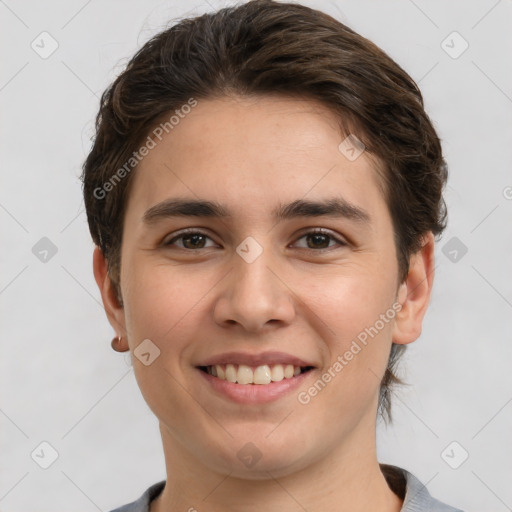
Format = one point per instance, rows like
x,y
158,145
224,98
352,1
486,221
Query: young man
x,y
264,191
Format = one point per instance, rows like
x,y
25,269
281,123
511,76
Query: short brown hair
x,y
267,47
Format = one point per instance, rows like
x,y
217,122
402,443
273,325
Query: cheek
x,y
160,298
163,304
358,345
354,315
346,300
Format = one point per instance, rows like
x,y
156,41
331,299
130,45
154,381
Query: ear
x,y
113,309
414,293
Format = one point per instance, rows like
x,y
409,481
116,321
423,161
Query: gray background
x,y
61,381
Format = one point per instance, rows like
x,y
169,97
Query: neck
x,y
347,479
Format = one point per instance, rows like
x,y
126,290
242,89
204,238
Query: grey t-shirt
x,y
404,484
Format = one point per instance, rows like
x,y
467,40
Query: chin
x,y
259,459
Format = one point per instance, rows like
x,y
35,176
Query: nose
x,y
254,296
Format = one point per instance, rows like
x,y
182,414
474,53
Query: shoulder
x,y
142,504
415,494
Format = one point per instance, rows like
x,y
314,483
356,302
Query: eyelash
x,y
317,231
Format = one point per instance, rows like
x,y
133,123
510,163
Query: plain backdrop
x,y
61,382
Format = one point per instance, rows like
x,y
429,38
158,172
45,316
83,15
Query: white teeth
x,y
230,373
244,375
277,373
288,371
264,374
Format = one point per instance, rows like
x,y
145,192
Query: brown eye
x,y
189,240
319,239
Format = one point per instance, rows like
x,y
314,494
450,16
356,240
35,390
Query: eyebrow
x,y
334,207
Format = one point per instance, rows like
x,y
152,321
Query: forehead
x,y
251,153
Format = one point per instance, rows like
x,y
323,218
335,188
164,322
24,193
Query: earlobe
x,y
113,309
414,294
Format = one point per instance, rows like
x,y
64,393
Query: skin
x,y
194,303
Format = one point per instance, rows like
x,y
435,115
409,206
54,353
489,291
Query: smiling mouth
x,y
259,375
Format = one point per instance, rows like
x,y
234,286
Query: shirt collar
x,y
414,494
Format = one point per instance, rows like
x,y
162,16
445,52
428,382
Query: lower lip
x,y
254,393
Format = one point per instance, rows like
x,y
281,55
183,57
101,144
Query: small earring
x,y
116,344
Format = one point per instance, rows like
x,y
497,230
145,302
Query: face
x,y
287,266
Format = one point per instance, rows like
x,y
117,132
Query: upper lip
x,y
268,358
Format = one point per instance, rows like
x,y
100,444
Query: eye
x,y
320,239
317,239
189,240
